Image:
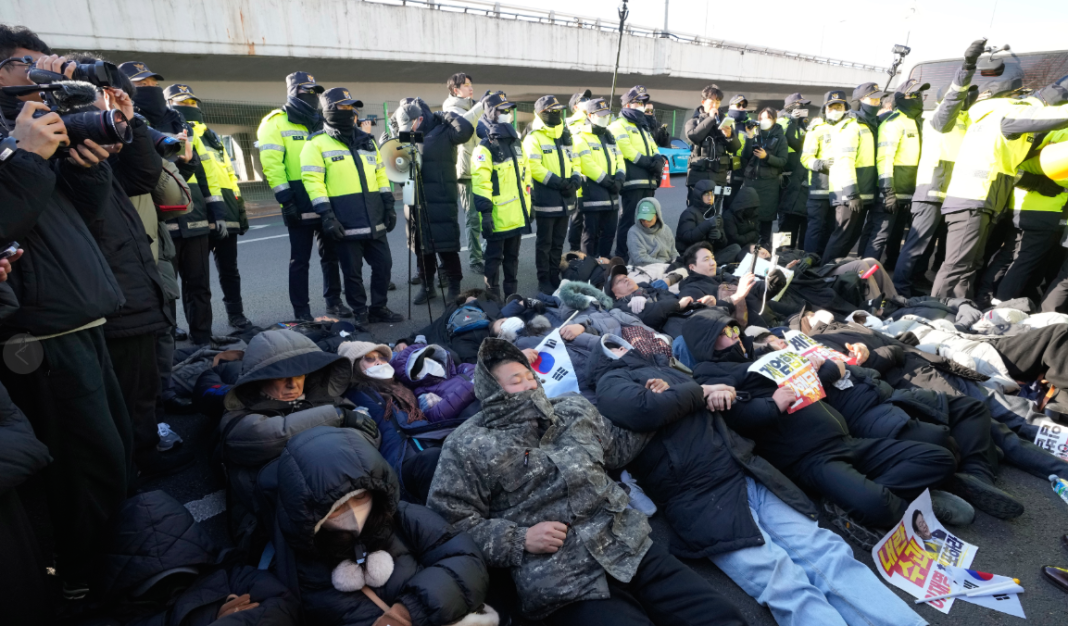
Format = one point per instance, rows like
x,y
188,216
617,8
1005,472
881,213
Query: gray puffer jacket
x,y
651,245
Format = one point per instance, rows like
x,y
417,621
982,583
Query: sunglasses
x,y
731,332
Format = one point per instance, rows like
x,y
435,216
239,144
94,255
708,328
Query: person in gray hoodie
x,y
650,240
461,102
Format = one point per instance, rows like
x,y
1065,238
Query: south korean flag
x,y
553,366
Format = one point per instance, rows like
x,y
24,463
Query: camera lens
x,y
101,73
102,127
166,146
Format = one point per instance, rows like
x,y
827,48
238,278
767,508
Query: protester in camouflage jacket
x,y
526,459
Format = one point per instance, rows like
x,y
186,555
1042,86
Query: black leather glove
x,y
712,228
972,54
823,166
389,203
556,183
855,205
1040,184
390,219
659,162
576,182
487,224
889,200
291,214
332,227
360,421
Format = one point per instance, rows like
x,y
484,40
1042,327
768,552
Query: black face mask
x,y
910,107
341,121
310,99
735,354
151,103
551,118
869,110
191,114
737,115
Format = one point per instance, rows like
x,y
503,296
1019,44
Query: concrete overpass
x,y
389,49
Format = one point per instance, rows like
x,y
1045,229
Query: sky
x,y
862,31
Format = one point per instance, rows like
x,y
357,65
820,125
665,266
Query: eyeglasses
x,y
24,63
731,332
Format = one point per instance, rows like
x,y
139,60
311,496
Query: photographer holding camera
x,y
711,141
65,289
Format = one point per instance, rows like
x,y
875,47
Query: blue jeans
x,y
681,351
806,574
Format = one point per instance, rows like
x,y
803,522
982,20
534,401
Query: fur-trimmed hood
x,y
500,408
579,296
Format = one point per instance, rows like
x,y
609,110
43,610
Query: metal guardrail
x,y
526,14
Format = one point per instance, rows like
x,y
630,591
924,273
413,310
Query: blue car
x,y
678,156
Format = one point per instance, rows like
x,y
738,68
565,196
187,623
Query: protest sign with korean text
x,y
916,554
789,369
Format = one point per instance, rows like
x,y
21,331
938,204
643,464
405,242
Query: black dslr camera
x,y
74,101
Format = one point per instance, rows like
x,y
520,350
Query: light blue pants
x,y
806,574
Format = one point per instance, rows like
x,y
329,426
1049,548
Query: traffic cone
x,y
665,182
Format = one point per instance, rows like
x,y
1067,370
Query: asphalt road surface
x,y
1017,548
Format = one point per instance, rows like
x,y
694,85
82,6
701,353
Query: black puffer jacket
x,y
62,281
154,543
21,454
740,221
709,158
781,438
695,467
120,233
794,196
438,575
698,222
442,132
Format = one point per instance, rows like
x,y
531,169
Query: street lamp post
x,y
623,13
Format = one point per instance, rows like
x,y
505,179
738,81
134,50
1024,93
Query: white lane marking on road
x,y
209,506
262,239
254,227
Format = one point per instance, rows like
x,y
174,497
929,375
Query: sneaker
x,y
339,310
392,286
985,496
416,280
860,535
167,437
360,317
424,295
304,317
384,316
240,322
74,590
950,509
638,500
477,268
156,464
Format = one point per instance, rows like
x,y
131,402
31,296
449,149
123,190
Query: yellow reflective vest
x,y
601,162
551,163
1033,210
840,141
280,143
222,181
349,182
898,156
501,181
943,131
637,145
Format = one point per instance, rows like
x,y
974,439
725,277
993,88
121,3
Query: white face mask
x,y
504,118
382,371
600,120
799,113
766,124
510,328
432,368
354,516
834,116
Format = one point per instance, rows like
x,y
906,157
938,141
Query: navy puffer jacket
x,y
438,574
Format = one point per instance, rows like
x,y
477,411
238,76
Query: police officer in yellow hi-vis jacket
x,y
830,154
604,173
644,163
280,139
225,205
555,171
345,178
501,179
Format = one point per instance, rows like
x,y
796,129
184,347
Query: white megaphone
x,y
398,160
